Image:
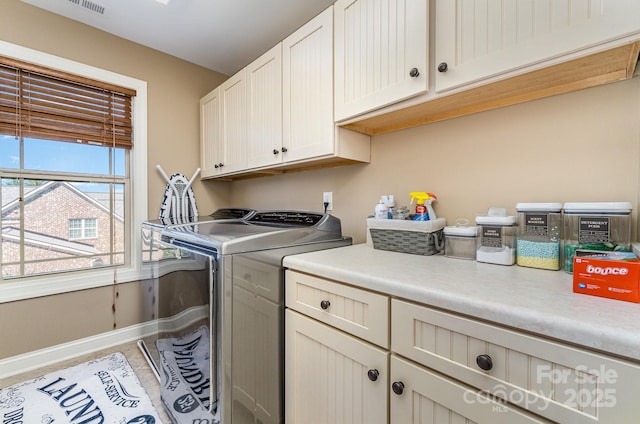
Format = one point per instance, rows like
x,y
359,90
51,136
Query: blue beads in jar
x,y
539,235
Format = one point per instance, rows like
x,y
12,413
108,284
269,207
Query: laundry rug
x,y
185,376
102,391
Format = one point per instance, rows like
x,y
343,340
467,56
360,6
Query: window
x,y
71,138
69,149
83,228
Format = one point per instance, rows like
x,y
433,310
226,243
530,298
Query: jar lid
x,y
495,220
539,207
598,207
462,231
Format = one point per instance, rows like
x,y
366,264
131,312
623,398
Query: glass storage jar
x,y
596,226
497,239
460,240
539,235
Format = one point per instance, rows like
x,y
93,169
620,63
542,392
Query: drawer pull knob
x,y
413,73
373,375
398,387
325,304
443,67
484,362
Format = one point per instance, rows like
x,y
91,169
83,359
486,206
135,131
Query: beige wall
x,y
174,89
583,146
47,321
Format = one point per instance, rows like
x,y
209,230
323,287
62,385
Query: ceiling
x,y
222,35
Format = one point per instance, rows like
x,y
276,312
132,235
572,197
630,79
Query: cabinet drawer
x,y
560,382
359,312
428,397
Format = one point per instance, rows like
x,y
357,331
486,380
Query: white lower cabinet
x,y
331,377
438,367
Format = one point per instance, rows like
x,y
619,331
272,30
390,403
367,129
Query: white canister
x,y
460,241
497,239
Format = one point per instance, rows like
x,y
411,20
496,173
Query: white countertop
x,y
534,300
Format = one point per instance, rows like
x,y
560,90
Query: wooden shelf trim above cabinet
x,y
608,66
308,165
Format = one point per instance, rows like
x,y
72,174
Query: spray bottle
x,y
424,208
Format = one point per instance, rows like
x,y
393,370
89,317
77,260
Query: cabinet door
x,y
480,39
257,326
307,75
377,44
256,367
234,123
327,375
421,396
210,134
264,107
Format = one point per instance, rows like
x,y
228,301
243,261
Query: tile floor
x,y
135,358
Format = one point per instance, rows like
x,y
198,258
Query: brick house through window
x,y
48,244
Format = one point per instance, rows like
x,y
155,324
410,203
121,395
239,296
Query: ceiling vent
x,y
90,6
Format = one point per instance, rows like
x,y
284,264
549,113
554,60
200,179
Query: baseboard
x,y
51,355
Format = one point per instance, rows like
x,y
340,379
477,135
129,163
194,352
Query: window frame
x,y
136,210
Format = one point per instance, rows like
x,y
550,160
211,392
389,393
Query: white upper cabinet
x,y
307,58
210,135
233,123
276,114
264,107
475,40
381,53
223,128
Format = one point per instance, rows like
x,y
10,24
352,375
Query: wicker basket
x,y
415,237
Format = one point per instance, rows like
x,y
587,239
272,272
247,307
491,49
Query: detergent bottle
x,y
424,208
381,210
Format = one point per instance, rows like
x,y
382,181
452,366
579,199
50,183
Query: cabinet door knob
x,y
414,72
373,375
216,166
398,387
276,151
484,362
443,67
325,304
284,150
